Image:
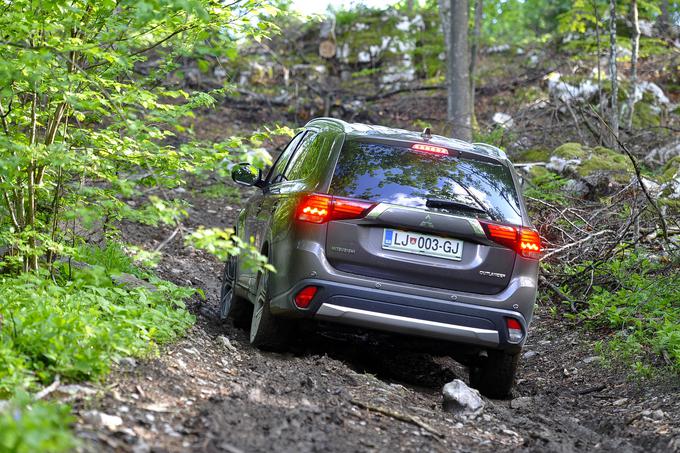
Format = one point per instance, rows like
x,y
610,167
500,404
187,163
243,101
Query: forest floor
x,y
213,391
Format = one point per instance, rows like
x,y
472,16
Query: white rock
x,y
226,343
498,49
658,414
523,402
663,154
127,363
646,28
461,399
559,164
75,390
576,188
655,90
653,187
97,418
529,354
502,119
568,92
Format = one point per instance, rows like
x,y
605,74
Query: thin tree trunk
x,y
664,18
445,18
31,259
458,71
614,117
476,32
596,13
633,62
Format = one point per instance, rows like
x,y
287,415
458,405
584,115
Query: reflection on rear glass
x,y
391,174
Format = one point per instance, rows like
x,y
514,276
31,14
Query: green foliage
x,y
637,302
28,426
545,185
495,136
223,243
521,22
77,328
533,155
222,191
82,125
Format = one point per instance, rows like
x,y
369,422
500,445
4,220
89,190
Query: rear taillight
x,y
524,241
321,208
315,208
305,296
515,333
529,243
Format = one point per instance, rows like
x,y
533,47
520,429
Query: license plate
x,y
422,244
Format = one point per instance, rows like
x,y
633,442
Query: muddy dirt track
x,y
214,392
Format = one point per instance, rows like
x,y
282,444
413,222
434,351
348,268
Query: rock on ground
x,y
461,399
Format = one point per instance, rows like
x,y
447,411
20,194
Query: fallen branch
x,y
572,244
398,416
597,388
49,389
558,291
168,239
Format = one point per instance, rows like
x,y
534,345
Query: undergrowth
x,y
626,291
75,328
637,301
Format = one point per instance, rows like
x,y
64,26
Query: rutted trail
x,y
214,392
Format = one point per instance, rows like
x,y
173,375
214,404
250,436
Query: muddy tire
x,y
267,331
495,375
231,306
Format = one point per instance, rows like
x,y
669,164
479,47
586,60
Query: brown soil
x,y
354,393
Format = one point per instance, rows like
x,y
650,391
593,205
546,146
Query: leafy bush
x,y
638,301
76,329
29,427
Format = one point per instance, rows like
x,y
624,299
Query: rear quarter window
x,y
312,158
398,175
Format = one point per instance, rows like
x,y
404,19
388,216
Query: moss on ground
x,y
670,169
598,159
534,155
645,115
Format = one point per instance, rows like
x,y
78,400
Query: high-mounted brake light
x,y
515,333
321,208
524,241
424,147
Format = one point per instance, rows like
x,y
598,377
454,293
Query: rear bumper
x,y
403,313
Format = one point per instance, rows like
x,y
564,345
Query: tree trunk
x,y
457,67
614,117
635,47
664,17
598,41
476,32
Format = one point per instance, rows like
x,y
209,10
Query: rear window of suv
x,y
398,175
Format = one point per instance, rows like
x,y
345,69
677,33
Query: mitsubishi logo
x,y
427,222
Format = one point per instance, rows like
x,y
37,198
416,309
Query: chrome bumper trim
x,y
402,324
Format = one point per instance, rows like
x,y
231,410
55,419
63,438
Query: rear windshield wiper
x,y
446,203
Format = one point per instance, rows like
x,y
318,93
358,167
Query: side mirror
x,y
247,175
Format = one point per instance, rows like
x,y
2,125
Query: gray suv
x,y
390,230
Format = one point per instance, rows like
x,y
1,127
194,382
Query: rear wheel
x,y
267,331
495,375
232,306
